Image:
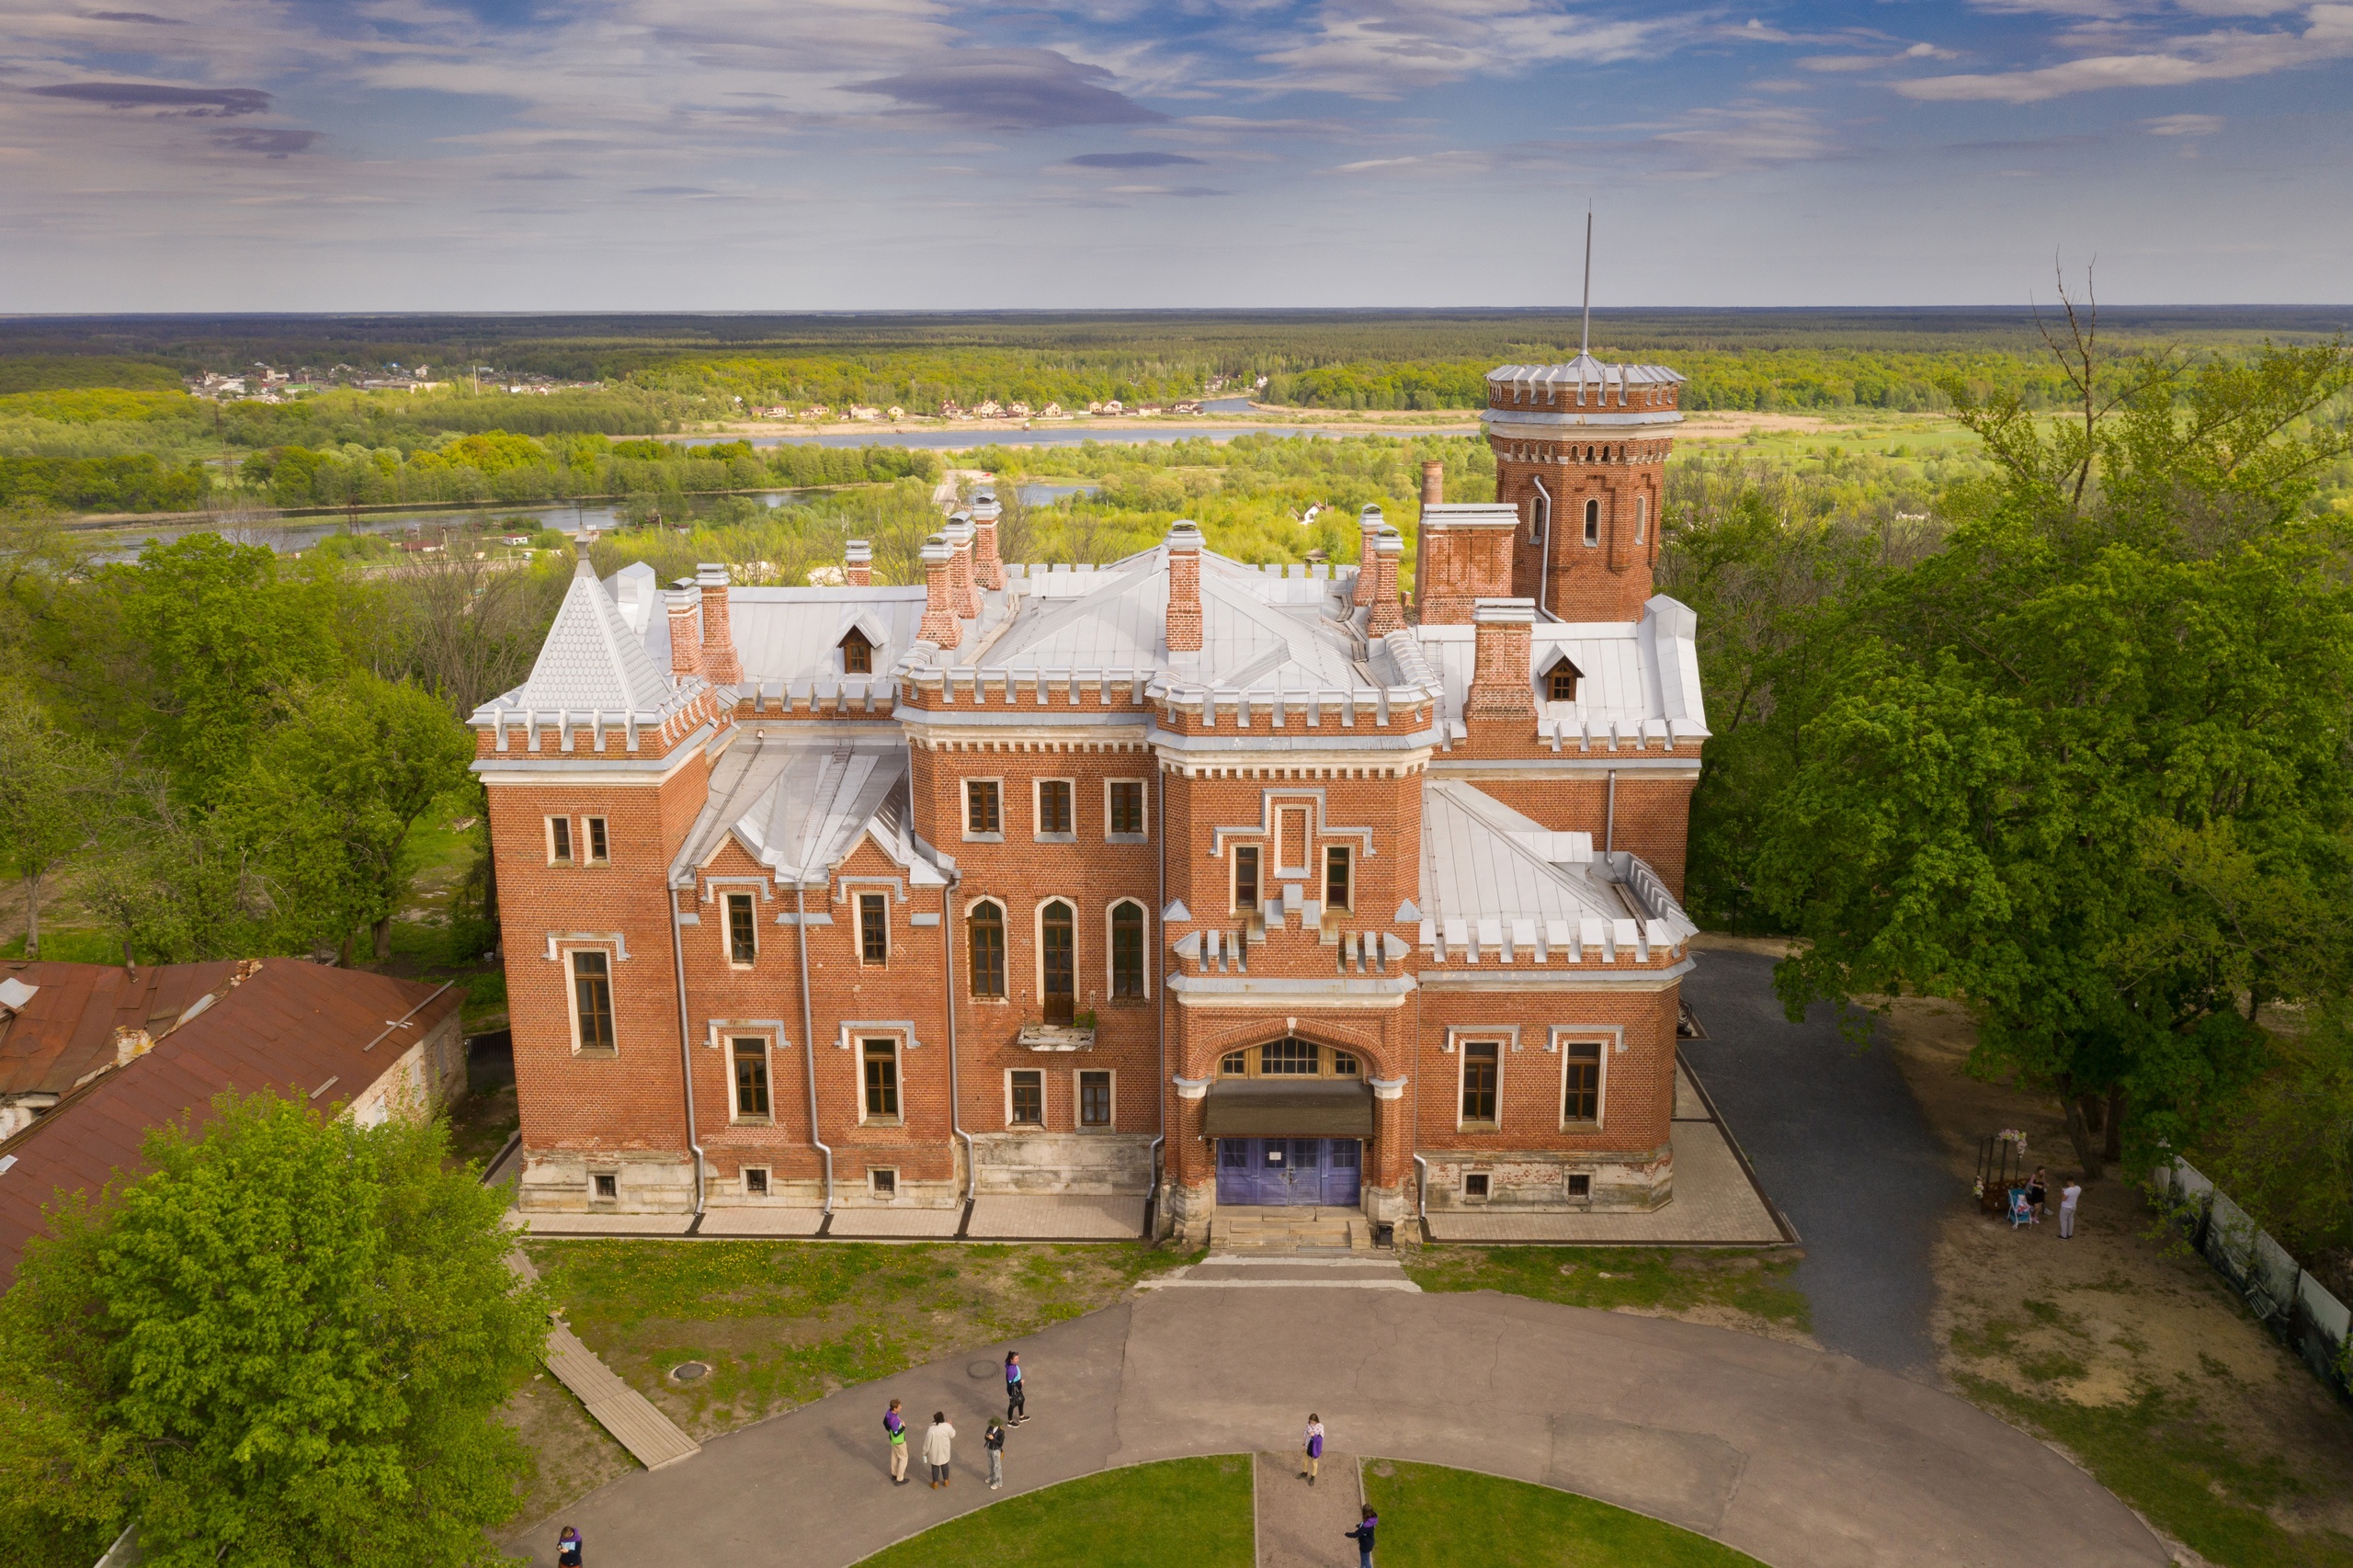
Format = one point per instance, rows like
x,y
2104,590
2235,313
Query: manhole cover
x,y
687,1371
985,1369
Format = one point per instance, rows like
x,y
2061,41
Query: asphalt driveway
x,y
1841,1144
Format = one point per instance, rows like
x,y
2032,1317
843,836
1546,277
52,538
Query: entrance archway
x,y
1291,1123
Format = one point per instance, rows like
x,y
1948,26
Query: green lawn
x,y
782,1322
1666,1279
1176,1513
1435,1517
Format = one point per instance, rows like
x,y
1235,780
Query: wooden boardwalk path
x,y
628,1415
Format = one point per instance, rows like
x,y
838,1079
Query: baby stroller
x,y
2022,1212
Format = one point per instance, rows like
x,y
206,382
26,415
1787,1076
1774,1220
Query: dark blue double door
x,y
1271,1171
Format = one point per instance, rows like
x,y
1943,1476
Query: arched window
x,y
1641,517
1127,948
985,926
1593,522
1057,954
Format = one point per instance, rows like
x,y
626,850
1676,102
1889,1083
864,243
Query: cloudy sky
x,y
819,154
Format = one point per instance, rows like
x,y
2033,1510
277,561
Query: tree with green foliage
x,y
283,1345
175,888
333,791
2084,767
55,797
227,631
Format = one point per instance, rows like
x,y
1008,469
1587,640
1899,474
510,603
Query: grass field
x,y
1748,1290
1176,1514
1432,1517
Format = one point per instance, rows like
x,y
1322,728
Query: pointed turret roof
x,y
593,662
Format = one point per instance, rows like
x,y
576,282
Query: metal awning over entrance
x,y
1304,1107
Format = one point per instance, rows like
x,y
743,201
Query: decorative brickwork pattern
x,y
1184,588
719,665
686,638
1500,692
1388,610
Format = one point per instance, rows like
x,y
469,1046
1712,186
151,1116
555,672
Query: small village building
x,y
93,1055
1228,885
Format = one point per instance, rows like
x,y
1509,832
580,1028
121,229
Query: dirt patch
x,y
2114,1323
574,1455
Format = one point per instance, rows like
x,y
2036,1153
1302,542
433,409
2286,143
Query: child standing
x,y
1315,1445
994,1442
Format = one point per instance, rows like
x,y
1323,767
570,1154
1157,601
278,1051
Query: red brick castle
x,y
1175,876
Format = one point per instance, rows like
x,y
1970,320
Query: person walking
x,y
567,1548
934,1447
1362,1536
2069,1195
896,1427
1017,1398
993,1441
1315,1445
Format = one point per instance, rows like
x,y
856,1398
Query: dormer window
x,y
858,653
1561,681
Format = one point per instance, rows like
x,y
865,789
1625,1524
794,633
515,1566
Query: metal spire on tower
x,y
1585,331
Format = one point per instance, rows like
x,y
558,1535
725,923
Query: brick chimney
x,y
857,563
1388,612
939,626
960,540
1433,483
1499,677
1369,522
1184,587
719,665
686,643
988,572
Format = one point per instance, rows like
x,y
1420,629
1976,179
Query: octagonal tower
x,y
1581,455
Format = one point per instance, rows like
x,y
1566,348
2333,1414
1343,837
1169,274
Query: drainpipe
x,y
1160,1004
1544,561
1609,816
808,1033
954,1100
685,1039
1422,1196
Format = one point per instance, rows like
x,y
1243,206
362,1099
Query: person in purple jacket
x,y
894,1426
1362,1536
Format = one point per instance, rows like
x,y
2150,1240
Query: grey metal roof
x,y
593,662
1643,679
799,804
1482,861
1585,370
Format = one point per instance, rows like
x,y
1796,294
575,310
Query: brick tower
x,y
1581,455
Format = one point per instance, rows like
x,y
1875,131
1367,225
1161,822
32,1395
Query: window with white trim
x,y
883,1181
1025,1097
750,1054
1581,1082
1337,882
591,973
873,927
1056,811
1123,810
1127,948
599,845
1482,1081
756,1181
984,940
984,810
879,1077
1093,1100
559,841
1593,522
1246,878
742,930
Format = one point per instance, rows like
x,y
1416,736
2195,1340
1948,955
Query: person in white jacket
x,y
935,1446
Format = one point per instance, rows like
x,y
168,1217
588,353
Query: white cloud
x,y
2183,125
1374,51
2169,63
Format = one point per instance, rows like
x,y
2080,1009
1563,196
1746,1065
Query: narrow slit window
x,y
1246,876
559,841
1593,522
882,1058
743,929
873,927
598,852
751,1077
1058,955
1641,517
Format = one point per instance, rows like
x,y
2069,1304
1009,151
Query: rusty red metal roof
x,y
67,1027
296,1027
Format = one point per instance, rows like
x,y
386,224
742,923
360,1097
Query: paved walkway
x,y
1801,1459
1302,1526
1839,1141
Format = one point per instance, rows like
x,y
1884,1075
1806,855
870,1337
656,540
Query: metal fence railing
x,y
2299,1312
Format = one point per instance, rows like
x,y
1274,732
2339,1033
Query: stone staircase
x,y
1261,1231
